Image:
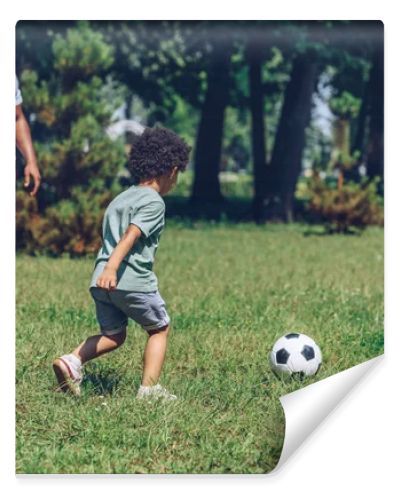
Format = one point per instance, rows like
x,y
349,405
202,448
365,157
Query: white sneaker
x,y
68,371
155,392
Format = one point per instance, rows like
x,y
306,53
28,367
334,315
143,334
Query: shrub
x,y
26,218
352,206
72,226
70,113
80,164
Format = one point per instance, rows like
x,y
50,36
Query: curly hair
x,y
155,153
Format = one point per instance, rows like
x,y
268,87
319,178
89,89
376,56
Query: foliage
x,y
343,209
183,120
26,218
72,226
81,53
345,105
70,112
78,74
164,60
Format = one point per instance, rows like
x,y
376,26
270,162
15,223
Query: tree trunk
x,y
286,161
376,119
206,186
258,132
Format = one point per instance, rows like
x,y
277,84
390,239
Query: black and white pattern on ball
x,y
295,354
282,356
308,352
292,335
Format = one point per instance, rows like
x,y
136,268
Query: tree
x,y
206,187
79,162
286,161
34,41
165,62
73,108
156,61
255,58
358,61
346,46
376,121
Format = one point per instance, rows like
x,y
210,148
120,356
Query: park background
x,y
276,226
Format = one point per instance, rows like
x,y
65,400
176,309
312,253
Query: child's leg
x,y
68,368
95,346
154,355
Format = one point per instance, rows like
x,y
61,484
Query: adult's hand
x,y
24,143
31,170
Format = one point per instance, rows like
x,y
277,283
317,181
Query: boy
x,y
123,284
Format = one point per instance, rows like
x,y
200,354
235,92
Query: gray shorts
x,y
115,307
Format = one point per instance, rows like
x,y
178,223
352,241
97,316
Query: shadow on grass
x,y
102,383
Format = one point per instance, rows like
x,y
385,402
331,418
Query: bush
x,y
80,164
71,226
70,114
353,206
26,218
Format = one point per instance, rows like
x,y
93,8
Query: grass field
x,y
231,291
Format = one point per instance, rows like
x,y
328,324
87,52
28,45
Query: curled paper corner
x,y
306,408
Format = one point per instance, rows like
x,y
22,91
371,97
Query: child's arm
x,y
108,278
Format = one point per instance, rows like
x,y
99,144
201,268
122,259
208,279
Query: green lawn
x,y
231,291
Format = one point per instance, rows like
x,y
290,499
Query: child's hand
x,y
107,279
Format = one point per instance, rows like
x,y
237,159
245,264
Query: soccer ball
x,y
295,354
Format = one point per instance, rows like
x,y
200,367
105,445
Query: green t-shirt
x,y
144,207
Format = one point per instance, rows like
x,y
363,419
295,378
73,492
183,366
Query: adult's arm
x,y
24,144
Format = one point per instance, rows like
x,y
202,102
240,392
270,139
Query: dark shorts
x,y
113,308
